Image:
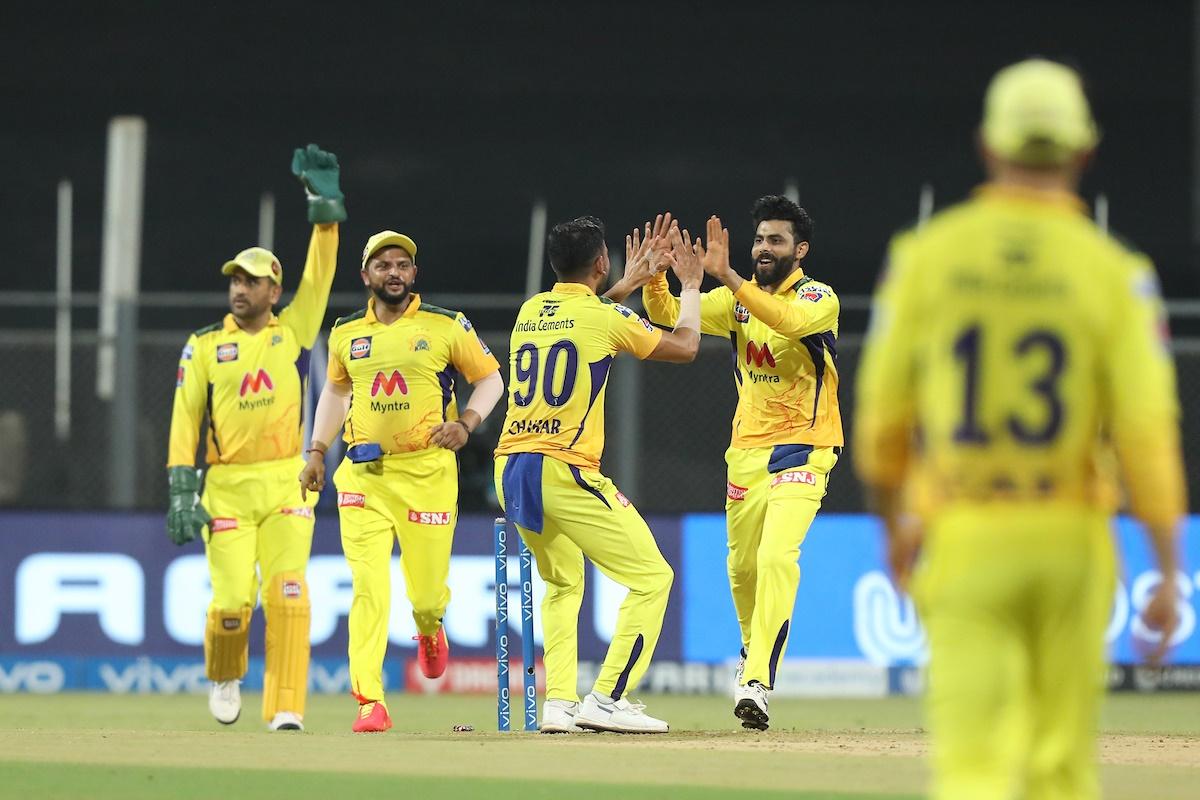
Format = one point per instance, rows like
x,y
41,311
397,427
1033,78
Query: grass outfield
x,y
107,746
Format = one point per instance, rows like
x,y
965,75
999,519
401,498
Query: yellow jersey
x,y
252,386
1010,342
785,356
562,348
402,375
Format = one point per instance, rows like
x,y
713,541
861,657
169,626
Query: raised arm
x,y
319,172
645,257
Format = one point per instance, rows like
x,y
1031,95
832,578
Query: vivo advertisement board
x,y
104,601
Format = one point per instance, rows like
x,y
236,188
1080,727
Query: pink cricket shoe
x,y
433,653
372,718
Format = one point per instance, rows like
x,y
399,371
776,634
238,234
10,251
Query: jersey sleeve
x,y
307,309
1141,401
336,369
469,355
812,312
630,333
191,398
885,414
662,307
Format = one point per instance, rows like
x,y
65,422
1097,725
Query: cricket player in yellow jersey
x,y
248,374
1024,344
391,383
787,429
548,471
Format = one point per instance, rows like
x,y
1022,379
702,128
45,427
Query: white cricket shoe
x,y
750,705
286,721
739,672
225,701
558,716
602,713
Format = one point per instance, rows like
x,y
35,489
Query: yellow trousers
x,y
570,513
413,498
1015,601
767,515
261,533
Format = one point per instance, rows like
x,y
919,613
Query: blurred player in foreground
x,y
249,374
547,469
787,429
391,380
1013,344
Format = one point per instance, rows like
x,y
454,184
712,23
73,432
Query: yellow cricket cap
x,y
1036,113
258,261
388,239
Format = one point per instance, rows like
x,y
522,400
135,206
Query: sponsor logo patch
x,y
429,517
255,383
812,296
741,313
179,377
625,312
487,351
389,383
231,623
647,324
548,310
301,511
276,270
420,344
219,524
799,476
186,355
466,323
734,492
227,352
351,500
292,589
276,339
759,355
360,347
622,499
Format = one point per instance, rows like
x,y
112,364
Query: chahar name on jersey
x,y
543,426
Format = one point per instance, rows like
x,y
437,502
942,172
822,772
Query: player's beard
x,y
389,297
249,310
776,271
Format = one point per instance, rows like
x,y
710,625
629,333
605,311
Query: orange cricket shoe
x,y
372,718
433,653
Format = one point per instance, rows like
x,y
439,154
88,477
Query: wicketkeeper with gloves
x,y
248,375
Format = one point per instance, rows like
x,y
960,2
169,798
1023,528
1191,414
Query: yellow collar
x,y
231,326
411,311
1067,201
788,282
572,288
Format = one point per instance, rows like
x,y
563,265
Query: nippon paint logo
x,y
253,383
798,476
388,384
351,500
429,517
734,492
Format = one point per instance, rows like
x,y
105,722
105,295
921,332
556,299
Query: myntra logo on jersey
x,y
256,382
388,384
759,355
429,517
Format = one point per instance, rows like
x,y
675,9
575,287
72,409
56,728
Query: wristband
x,y
465,428
315,450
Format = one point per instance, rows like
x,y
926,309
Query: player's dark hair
x,y
574,245
776,206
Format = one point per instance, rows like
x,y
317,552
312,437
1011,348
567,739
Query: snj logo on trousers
x,y
758,355
256,383
219,524
429,517
360,347
734,492
389,384
351,500
801,476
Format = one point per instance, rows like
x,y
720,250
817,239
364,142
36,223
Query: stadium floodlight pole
x,y
537,248
791,190
120,269
924,204
266,220
62,322
1100,210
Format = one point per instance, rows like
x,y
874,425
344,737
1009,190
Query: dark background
x,y
450,121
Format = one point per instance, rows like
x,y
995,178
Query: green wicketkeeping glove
x,y
185,516
318,171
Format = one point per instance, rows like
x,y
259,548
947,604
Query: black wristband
x,y
465,428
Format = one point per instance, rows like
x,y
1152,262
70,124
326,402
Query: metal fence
x,y
667,427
